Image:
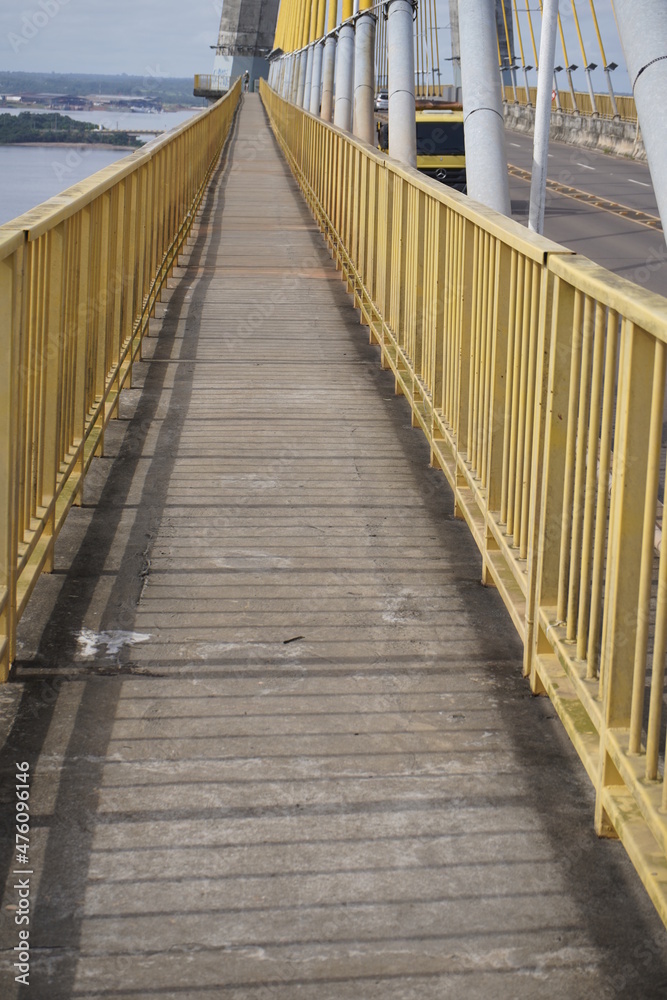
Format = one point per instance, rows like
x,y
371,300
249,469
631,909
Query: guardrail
x,y
625,104
79,279
524,365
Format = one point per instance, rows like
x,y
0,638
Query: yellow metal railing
x,y
538,379
79,279
627,109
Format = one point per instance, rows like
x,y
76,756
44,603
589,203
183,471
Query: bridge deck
x,y
279,739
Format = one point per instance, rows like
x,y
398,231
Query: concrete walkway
x,y
279,742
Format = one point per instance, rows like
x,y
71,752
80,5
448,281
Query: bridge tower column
x,y
296,68
538,181
642,26
344,97
316,83
301,86
304,49
486,158
318,51
311,54
401,66
328,63
364,73
309,77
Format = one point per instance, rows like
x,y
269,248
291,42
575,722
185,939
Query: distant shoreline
x,y
72,145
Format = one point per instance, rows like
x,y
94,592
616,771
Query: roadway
x,y
628,248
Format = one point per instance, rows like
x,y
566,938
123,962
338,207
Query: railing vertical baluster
x,y
644,595
629,475
12,252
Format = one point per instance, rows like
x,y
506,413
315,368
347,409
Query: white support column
x,y
538,180
303,62
316,82
364,78
344,78
309,77
328,64
401,62
294,85
486,158
642,25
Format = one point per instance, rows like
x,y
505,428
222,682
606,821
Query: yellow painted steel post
x,y
11,332
645,587
52,359
563,334
629,474
83,334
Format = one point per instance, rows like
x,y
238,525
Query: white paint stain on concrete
x,y
94,643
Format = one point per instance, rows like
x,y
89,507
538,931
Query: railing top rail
x,y
645,309
36,221
11,239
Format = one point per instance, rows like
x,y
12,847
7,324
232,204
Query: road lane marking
x,y
631,214
518,146
585,166
643,183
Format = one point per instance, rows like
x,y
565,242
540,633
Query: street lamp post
x,y
529,103
607,71
591,92
513,68
570,70
557,69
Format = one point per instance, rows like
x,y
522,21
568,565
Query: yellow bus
x,y
440,145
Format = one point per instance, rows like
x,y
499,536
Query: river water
x,y
31,174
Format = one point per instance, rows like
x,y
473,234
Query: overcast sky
x,y
173,37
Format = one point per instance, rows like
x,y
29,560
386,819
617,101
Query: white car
x,y
382,100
